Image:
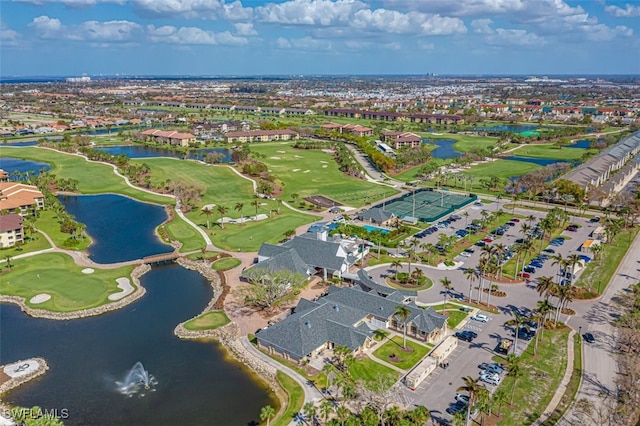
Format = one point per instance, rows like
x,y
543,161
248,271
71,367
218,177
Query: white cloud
x,y
308,12
8,37
482,26
192,35
425,45
245,29
46,27
629,11
72,3
406,23
110,31
601,32
194,9
512,37
309,43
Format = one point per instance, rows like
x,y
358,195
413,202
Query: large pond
x,y
445,148
538,161
120,227
197,384
136,151
11,165
583,143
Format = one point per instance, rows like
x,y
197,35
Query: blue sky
x,y
242,37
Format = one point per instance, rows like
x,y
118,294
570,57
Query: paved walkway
x,y
563,384
311,393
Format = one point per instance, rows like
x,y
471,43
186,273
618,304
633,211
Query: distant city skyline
x,y
319,37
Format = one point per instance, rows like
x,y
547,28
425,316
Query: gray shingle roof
x,y
270,250
317,253
288,260
376,214
364,279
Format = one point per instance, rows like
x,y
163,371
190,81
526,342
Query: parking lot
x,y
438,390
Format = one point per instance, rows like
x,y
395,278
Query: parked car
x,y
524,275
462,335
595,219
462,397
491,367
480,318
549,250
470,250
572,228
487,240
514,219
492,379
529,269
481,243
465,254
588,337
536,264
523,333
454,408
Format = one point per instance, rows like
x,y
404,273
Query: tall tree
x,y
472,387
266,413
222,210
207,211
402,314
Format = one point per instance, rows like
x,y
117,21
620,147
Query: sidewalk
x,y
563,384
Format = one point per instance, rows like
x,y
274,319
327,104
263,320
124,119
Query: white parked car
x,y
492,379
480,318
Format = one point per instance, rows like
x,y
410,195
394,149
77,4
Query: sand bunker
x,y
208,206
40,298
295,170
21,368
323,162
306,171
275,158
324,166
88,271
126,289
282,152
298,156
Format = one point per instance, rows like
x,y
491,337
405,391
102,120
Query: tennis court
x,y
427,205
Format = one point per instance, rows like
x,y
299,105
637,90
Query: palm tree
x,y
222,210
544,308
517,321
402,313
472,387
573,260
558,260
513,370
326,407
471,275
446,283
410,255
8,259
238,207
266,413
256,204
418,274
396,264
207,211
500,397
310,411
544,286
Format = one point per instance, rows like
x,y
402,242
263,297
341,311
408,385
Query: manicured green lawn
x,y
180,230
295,399
599,272
207,321
501,168
550,151
394,346
93,178
455,317
225,263
425,284
48,223
540,379
367,369
313,172
56,274
249,236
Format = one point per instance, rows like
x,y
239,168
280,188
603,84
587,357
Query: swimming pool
x,y
371,228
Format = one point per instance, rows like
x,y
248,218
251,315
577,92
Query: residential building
x,y
20,198
11,231
170,137
348,317
401,139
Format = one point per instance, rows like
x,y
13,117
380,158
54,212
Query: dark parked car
x,y
529,269
588,337
464,335
595,219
